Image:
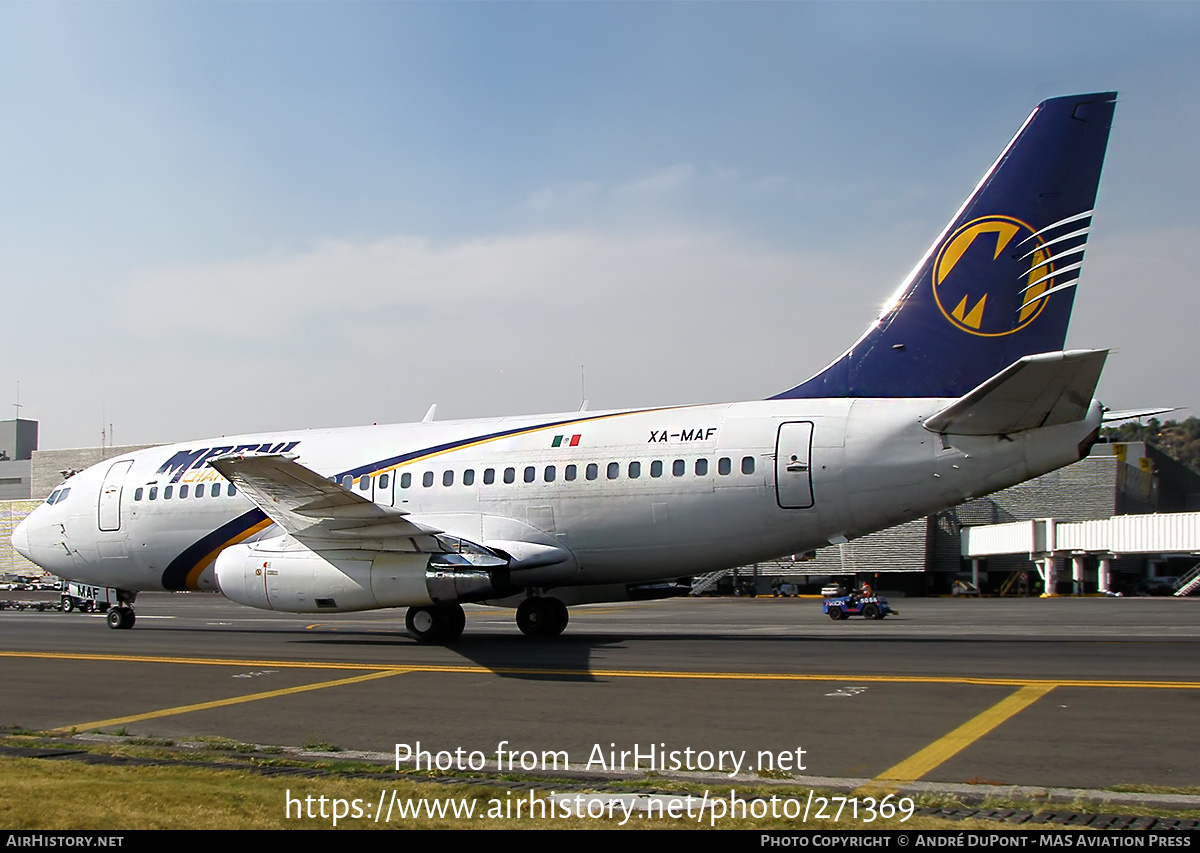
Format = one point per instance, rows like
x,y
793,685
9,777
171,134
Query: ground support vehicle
x,y
867,606
86,598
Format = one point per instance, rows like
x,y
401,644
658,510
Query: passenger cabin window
x,y
614,470
469,477
183,490
593,471
530,473
383,481
549,474
427,479
510,475
678,467
153,492
701,467
231,490
364,483
724,466
447,478
347,481
656,468
635,470
569,472
406,480
747,464
137,494
167,492
489,476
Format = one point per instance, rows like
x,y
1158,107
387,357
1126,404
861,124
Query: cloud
x,y
412,277
668,180
374,330
561,194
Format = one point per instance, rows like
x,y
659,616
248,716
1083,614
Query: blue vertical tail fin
x,y
999,281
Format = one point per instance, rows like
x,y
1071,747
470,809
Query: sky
x,y
229,217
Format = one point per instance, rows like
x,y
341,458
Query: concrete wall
x,y
48,465
11,514
15,481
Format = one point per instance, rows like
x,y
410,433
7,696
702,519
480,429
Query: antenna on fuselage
x,y
429,415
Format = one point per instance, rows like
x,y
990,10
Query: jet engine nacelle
x,y
283,575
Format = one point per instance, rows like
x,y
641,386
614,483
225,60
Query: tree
x,y
1179,440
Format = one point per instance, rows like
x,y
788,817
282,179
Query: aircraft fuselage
x,y
633,496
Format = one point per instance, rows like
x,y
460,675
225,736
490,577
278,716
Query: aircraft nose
x,y
20,538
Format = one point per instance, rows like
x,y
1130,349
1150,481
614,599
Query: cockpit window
x,y
53,497
58,496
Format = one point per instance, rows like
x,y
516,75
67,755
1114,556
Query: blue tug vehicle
x,y
859,602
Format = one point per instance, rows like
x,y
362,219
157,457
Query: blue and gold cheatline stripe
x,y
185,570
396,461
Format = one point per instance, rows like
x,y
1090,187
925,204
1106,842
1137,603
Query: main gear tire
x,y
542,617
439,624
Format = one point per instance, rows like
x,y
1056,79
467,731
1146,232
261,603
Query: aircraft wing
x,y
318,513
1035,391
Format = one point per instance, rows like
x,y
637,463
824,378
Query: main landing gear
x,y
542,617
442,623
121,615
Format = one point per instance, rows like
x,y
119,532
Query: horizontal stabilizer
x,y
317,512
1114,417
1036,391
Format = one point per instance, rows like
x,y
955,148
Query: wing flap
x,y
318,513
1036,391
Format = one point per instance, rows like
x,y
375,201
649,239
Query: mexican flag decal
x,y
566,441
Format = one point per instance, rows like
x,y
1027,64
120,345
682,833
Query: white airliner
x,y
960,388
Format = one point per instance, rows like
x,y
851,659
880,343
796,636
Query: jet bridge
x,y
1047,539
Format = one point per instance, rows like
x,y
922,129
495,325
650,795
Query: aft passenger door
x,y
793,465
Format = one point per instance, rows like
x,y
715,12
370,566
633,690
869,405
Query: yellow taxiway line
x,y
854,678
910,769
235,700
949,745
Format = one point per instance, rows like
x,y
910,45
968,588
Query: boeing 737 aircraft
x,y
961,387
